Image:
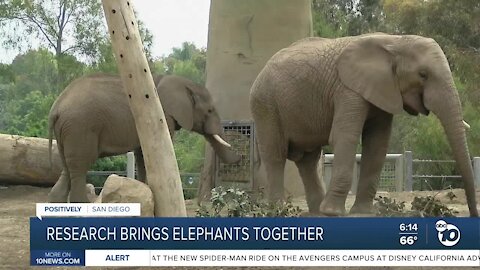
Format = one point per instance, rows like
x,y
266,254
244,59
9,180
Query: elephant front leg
x,y
347,126
375,137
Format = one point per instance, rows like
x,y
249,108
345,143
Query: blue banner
x,y
57,257
79,234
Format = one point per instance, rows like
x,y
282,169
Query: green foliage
x,y
187,61
52,21
431,207
421,207
387,207
35,69
187,69
27,99
235,202
189,149
27,116
115,163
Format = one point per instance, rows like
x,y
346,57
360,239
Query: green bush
x,y
114,163
235,202
421,207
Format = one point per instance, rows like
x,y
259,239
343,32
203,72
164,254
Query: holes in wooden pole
x,y
147,96
114,11
130,76
113,32
121,55
145,70
130,96
127,37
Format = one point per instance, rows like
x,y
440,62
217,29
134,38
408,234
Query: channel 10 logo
x,y
448,234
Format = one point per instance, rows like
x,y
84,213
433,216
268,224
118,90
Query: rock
x,y
118,189
91,195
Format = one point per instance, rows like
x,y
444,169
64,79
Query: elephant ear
x,y
178,101
367,66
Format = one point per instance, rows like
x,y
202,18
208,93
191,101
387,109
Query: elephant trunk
x,y
447,107
224,152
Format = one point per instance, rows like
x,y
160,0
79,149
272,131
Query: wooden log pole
x,y
160,161
24,161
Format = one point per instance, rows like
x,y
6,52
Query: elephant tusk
x,y
467,126
220,140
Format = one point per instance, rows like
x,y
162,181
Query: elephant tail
x,y
52,119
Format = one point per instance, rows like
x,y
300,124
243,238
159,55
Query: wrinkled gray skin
x,y
92,119
321,92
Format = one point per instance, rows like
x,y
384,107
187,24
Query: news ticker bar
x,y
261,258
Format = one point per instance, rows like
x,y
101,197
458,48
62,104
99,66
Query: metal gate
x,y
240,134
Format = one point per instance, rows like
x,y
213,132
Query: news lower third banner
x,y
138,241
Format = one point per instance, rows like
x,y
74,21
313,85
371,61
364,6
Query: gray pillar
x,y
476,171
131,165
399,174
408,157
242,36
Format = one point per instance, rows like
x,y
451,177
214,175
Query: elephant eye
x,y
210,110
423,75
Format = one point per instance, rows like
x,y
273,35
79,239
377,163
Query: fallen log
x,y
24,160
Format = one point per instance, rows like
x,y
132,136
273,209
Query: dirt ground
x,y
17,204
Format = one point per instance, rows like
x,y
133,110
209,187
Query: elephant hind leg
x,y
141,172
59,192
79,157
275,179
314,188
273,156
272,142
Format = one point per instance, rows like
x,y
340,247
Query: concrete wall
x,y
242,36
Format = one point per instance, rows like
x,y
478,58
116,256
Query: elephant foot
x,y
52,198
57,197
333,206
362,208
306,214
79,198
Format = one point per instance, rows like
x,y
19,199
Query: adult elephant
x,y
92,119
321,92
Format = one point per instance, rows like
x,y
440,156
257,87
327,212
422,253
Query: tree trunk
x,y
24,160
160,162
242,36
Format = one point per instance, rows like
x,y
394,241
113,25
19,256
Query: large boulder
x,y
118,189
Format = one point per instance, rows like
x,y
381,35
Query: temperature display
x,y
408,234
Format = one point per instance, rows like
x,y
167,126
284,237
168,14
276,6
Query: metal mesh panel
x,y
387,177
435,175
240,136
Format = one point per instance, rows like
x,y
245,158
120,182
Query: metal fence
x,y
390,178
240,134
401,172
423,174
